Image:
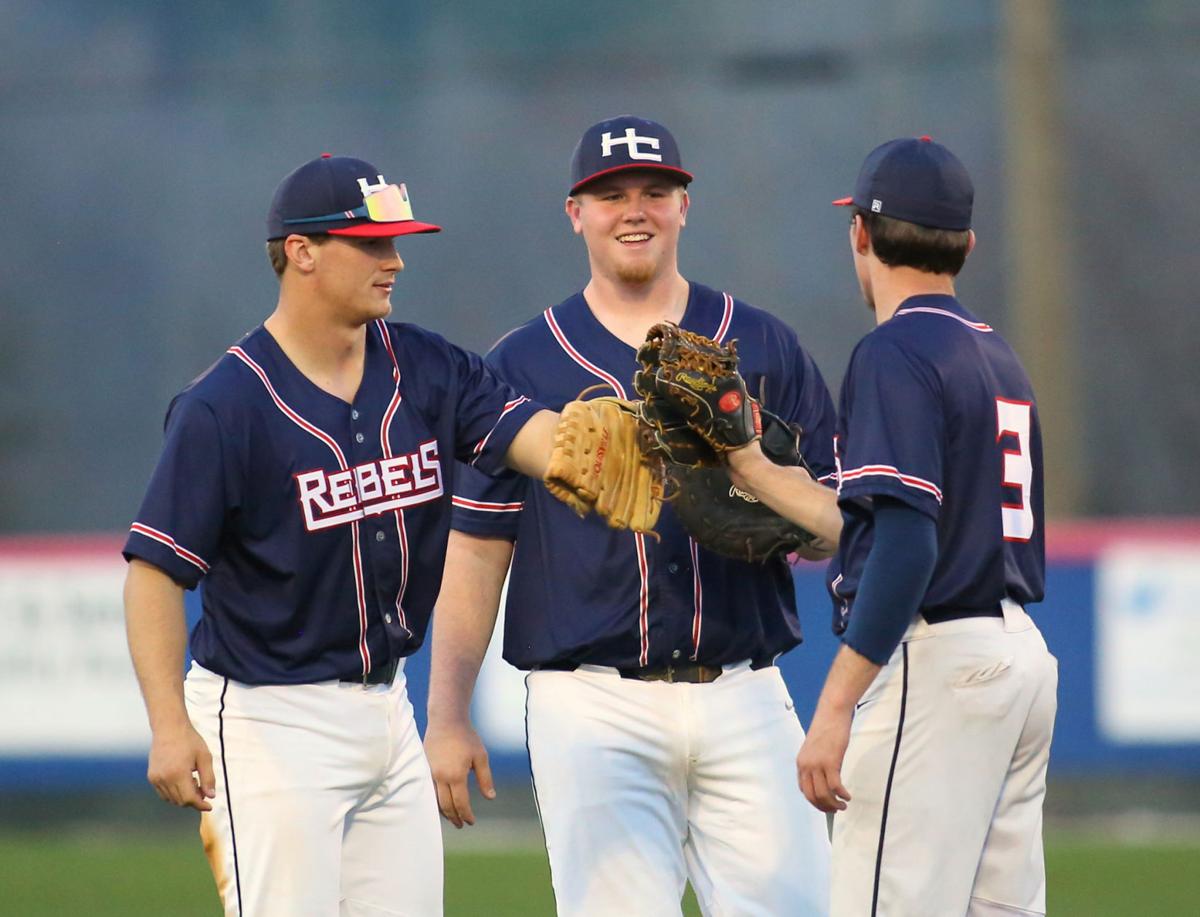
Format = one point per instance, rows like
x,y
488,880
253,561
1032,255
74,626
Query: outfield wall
x,y
1120,616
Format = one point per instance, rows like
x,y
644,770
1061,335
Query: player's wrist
x,y
448,718
835,704
744,459
172,722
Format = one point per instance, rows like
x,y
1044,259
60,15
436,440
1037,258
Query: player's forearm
x,y
464,620
156,629
791,492
529,452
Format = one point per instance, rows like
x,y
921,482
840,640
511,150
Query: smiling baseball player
x,y
932,734
661,735
306,479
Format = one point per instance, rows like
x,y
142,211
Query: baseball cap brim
x,y
844,202
684,176
384,230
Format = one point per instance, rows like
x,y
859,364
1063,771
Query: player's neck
x,y
328,354
890,286
628,310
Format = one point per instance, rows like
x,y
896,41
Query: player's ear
x,y
970,241
684,203
299,251
860,239
572,208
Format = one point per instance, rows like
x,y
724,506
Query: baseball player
x,y
932,734
306,479
661,736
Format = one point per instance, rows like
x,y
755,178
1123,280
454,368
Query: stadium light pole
x,y
1038,236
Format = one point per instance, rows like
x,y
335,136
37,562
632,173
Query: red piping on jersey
x,y
726,318
402,534
697,598
385,442
643,598
479,446
974,326
287,410
697,590
889,471
381,326
360,590
639,539
163,538
464,503
579,358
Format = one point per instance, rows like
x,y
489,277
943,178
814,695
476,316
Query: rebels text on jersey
x,y
582,593
319,526
936,411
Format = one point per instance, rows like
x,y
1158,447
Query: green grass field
x,y
167,877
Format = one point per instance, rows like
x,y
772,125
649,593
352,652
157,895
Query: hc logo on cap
x,y
631,140
334,195
368,188
622,143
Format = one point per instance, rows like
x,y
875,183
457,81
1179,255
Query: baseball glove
x,y
598,464
671,437
728,521
688,377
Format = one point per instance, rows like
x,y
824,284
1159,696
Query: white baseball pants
x,y
641,785
324,805
947,770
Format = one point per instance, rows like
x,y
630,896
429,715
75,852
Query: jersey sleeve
x,y
489,413
803,398
178,528
485,505
894,427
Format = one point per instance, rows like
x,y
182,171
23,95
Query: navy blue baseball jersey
x,y
936,411
319,527
582,593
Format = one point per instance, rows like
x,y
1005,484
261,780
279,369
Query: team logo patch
x,y
339,497
876,205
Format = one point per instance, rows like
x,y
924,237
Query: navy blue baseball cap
x,y
341,196
916,180
621,143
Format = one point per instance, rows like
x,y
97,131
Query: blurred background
x,y
141,144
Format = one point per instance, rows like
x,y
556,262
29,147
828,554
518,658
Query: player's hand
x,y
453,751
181,768
819,764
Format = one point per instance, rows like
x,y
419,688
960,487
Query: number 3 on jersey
x,y
1013,418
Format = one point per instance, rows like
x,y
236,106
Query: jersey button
x,y
358,437
672,567
676,654
379,536
354,415
387,619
